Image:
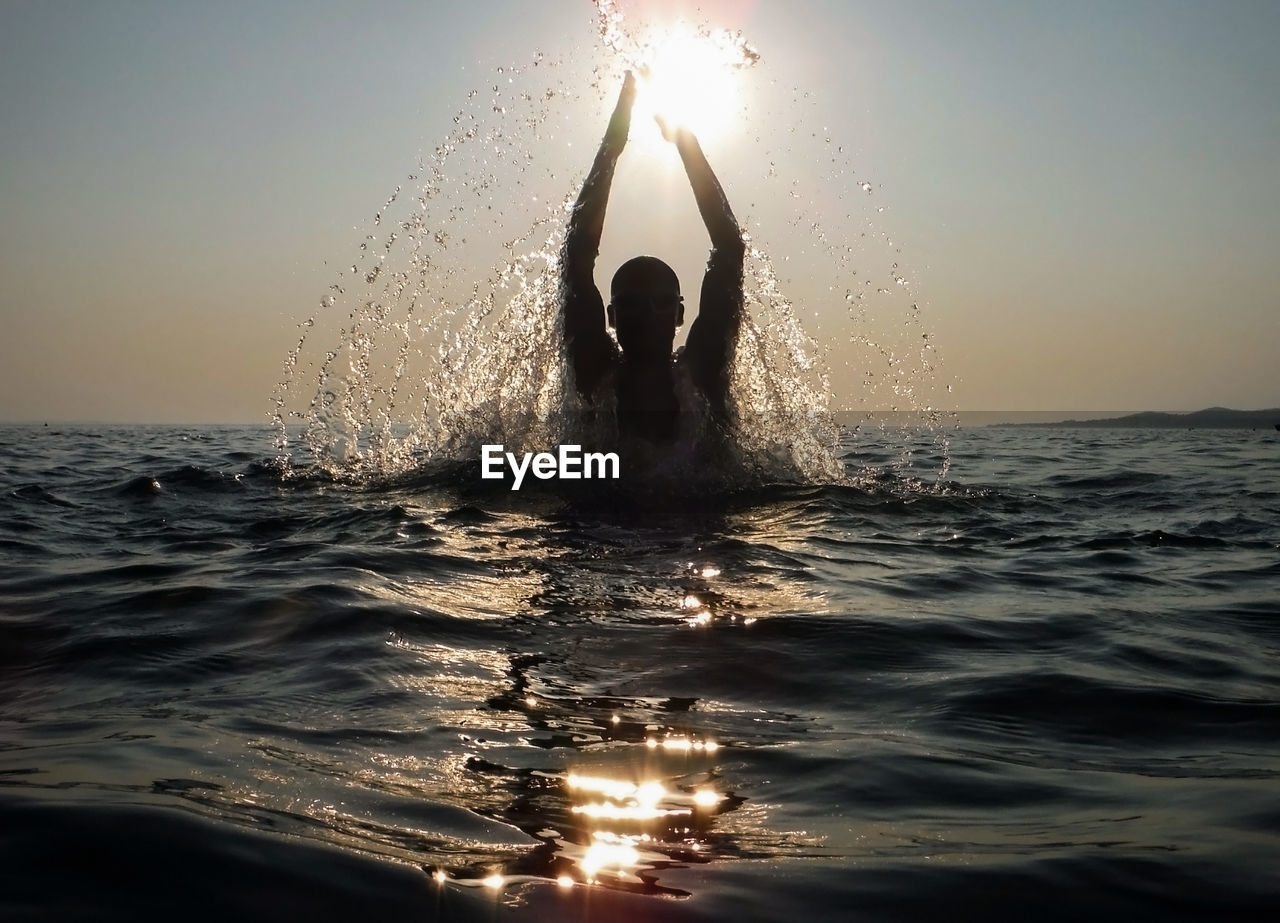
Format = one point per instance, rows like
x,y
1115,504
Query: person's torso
x,y
656,418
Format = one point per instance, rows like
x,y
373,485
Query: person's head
x,y
645,307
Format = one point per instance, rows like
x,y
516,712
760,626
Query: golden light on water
x,y
608,852
610,788
627,800
697,619
646,801
706,798
637,811
640,814
650,793
682,744
627,824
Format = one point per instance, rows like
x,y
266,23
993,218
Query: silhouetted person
x,y
645,305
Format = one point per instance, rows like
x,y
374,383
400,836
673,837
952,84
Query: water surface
x,y
1048,683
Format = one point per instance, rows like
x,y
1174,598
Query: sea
x,y
1041,680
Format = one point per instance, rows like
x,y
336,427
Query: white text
x,y
569,464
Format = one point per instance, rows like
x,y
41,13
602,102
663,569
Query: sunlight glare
x,y
609,852
650,794
627,801
690,77
631,812
706,798
610,788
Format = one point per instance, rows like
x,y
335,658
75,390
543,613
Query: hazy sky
x,y
1085,194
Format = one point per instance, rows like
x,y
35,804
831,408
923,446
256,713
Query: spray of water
x,y
434,355
431,347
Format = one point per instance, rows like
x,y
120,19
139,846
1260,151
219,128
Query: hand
x,y
673,133
627,96
615,136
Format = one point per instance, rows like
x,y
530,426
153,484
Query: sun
x,y
691,77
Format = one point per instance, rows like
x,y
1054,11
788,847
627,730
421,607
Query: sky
x,y
1083,197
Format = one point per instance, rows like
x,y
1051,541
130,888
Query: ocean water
x,y
1048,683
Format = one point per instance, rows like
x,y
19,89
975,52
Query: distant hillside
x,y
1212,418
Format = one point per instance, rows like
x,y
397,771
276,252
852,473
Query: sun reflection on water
x,y
682,744
613,790
647,820
616,853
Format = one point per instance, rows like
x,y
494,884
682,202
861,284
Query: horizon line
x,y
70,421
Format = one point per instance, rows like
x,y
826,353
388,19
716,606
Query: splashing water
x,y
435,356
835,231
426,353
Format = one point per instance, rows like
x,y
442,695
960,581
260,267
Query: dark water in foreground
x,y
1050,687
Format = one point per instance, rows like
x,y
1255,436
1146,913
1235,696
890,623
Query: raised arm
x,y
589,346
712,202
709,347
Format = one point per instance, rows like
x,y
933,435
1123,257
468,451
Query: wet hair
x,y
643,273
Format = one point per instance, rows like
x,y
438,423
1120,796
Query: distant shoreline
x,y
1210,418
